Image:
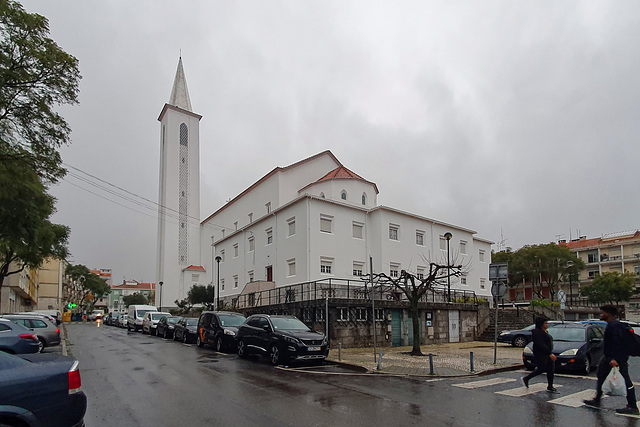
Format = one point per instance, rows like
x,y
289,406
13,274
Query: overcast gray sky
x,y
518,119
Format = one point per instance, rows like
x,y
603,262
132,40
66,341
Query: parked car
x,y
17,339
48,333
45,315
53,313
122,321
578,347
219,328
166,325
107,318
522,337
135,314
41,390
186,329
150,321
281,338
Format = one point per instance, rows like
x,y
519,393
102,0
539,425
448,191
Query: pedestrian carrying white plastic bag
x,y
614,384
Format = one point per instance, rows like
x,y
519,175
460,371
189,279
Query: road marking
x,y
523,391
484,383
574,400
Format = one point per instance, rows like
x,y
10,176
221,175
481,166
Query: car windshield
x,y
141,313
528,328
231,320
567,334
192,322
172,320
288,324
157,316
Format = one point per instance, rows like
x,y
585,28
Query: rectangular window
x,y
235,282
195,277
393,232
463,279
269,236
252,244
481,255
394,270
325,266
419,238
292,267
325,223
463,247
268,206
235,250
361,314
222,283
235,224
420,273
222,255
251,276
357,230
250,217
483,283
379,314
292,226
443,243
636,269
343,314
593,273
319,314
357,268
592,257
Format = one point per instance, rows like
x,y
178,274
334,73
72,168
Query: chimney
x,y
583,237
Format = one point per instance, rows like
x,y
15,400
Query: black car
x,y
166,325
281,338
522,337
113,320
219,329
577,346
41,390
186,329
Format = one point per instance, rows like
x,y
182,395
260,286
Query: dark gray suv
x,y
281,338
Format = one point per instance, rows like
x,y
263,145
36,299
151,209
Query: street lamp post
x,y
218,259
160,283
448,236
570,268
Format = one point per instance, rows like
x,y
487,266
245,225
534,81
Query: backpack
x,y
634,342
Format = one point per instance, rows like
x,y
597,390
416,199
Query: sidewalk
x,y
449,360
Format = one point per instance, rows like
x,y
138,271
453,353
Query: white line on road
x,y
523,391
574,400
484,383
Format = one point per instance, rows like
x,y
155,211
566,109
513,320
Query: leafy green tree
x,y
201,294
611,287
132,299
184,306
92,284
27,236
35,76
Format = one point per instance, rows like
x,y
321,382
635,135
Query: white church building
x,y
312,220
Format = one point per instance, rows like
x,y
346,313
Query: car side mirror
x,y
595,340
266,328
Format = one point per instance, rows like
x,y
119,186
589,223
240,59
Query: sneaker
x,y
628,410
524,381
592,402
552,389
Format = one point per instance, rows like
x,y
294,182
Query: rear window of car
x,y
4,327
157,316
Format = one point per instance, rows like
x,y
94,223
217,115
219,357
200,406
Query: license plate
x,y
313,348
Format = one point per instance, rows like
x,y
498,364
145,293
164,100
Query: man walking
x,y
616,353
543,352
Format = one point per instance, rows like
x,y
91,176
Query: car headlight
x,y
570,352
291,339
504,333
527,350
229,332
325,341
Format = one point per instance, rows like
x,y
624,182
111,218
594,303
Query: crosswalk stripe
x,y
574,400
484,383
523,391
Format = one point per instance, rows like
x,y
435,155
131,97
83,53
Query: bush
x,y
544,303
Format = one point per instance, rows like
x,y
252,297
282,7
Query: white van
x,y
135,315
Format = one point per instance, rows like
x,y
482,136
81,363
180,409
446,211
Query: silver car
x,y
48,333
122,320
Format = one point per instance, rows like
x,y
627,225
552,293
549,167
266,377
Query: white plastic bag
x,y
614,384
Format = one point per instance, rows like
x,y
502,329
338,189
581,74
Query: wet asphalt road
x,y
136,380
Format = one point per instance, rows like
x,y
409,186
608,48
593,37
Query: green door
x,y
396,328
410,327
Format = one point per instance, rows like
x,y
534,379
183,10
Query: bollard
x,y
340,352
430,363
380,360
471,356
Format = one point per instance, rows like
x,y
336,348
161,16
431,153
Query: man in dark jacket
x,y
616,353
543,352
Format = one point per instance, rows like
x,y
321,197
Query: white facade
x,y
312,220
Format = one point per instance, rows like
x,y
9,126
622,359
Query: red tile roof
x,y
194,267
606,239
138,285
341,173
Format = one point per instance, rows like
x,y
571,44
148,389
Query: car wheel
x,y
41,345
587,365
242,349
185,337
274,355
165,334
175,335
128,328
199,341
218,344
519,341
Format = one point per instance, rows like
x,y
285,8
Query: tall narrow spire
x,y
180,94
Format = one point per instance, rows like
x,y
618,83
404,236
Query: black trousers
x,y
544,365
603,371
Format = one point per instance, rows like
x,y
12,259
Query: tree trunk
x,y
415,318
